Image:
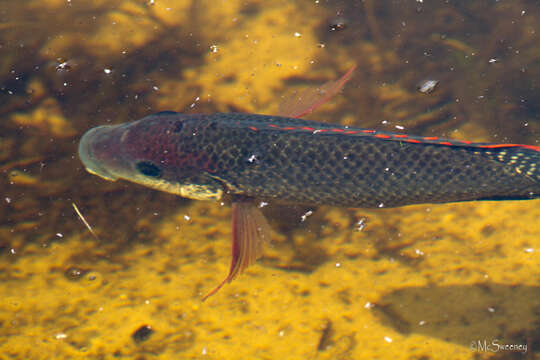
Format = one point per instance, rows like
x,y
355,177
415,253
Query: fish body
x,y
284,159
288,160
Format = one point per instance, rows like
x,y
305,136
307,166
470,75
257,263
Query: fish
x,y
249,159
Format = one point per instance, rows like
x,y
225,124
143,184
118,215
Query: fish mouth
x,y
86,154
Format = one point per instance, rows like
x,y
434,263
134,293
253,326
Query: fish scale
x,y
310,167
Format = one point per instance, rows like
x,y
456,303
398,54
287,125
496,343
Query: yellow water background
x,y
418,282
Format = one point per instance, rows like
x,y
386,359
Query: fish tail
x,y
525,159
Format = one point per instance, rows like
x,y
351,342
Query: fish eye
x,y
148,169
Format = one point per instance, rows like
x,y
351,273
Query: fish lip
x,y
87,156
101,174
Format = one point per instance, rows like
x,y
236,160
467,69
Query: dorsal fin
x,y
306,101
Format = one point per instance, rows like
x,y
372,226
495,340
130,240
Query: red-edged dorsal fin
x,y
308,100
249,231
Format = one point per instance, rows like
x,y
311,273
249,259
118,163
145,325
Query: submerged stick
x,y
84,221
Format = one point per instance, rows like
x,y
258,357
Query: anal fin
x,y
249,231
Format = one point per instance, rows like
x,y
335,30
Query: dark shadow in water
x,y
467,314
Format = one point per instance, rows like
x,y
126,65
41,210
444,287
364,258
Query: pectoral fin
x,y
249,231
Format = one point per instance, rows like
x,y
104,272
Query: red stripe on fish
x,y
496,146
398,137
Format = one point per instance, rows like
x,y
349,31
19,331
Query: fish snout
x,y
92,148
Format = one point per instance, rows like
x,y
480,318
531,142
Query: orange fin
x,y
308,100
249,230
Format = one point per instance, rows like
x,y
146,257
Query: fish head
x,y
148,152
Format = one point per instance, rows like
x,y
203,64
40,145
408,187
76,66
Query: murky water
x,y
455,281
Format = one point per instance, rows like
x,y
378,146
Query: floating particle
x,y
252,158
427,86
142,333
63,65
361,224
368,305
305,216
337,24
74,273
